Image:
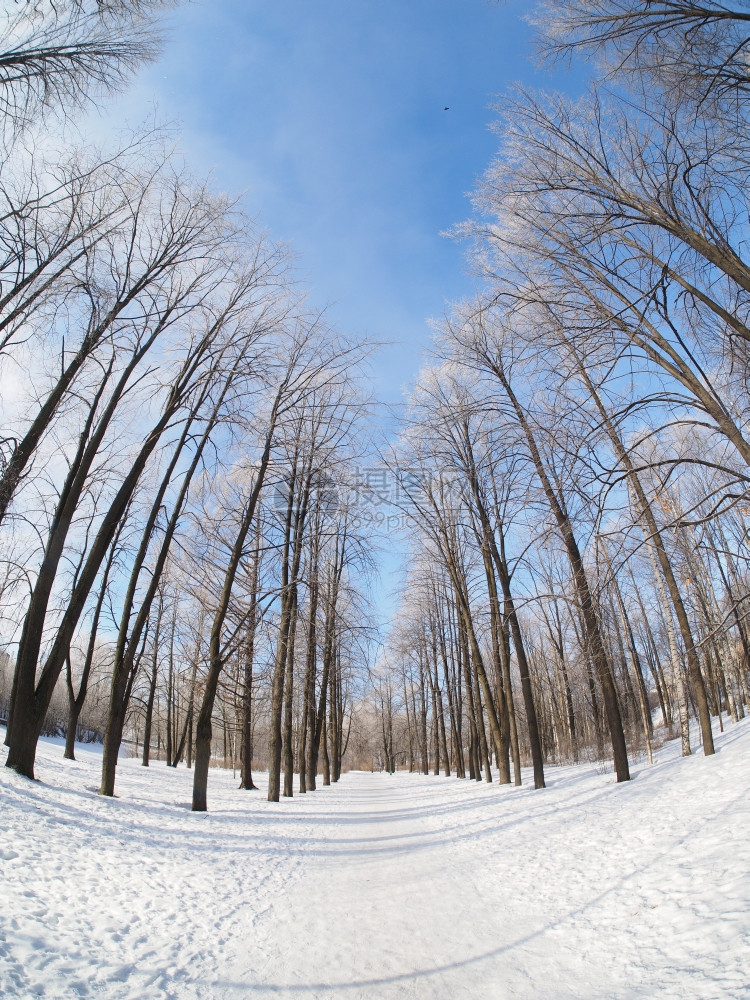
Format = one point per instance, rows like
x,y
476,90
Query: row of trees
x,y
575,460
176,435
177,521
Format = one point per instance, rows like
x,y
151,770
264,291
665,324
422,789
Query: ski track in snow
x,y
402,886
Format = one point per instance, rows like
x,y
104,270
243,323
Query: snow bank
x,y
380,887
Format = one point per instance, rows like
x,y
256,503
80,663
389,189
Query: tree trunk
x,y
289,703
246,765
655,542
215,657
588,614
152,688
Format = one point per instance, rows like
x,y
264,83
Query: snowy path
x,y
382,887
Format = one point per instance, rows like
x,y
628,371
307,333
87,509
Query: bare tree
x,y
695,48
61,55
158,255
306,365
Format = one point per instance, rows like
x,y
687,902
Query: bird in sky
x,y
446,109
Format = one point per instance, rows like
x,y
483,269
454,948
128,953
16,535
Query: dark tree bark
x,y
588,614
330,600
215,656
147,724
246,769
651,530
306,777
131,630
76,701
170,689
282,648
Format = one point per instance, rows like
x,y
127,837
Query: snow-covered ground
x,y
380,887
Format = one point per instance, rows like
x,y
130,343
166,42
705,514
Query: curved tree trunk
x,y
203,731
588,614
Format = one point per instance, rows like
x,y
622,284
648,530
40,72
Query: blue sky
x,y
329,115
